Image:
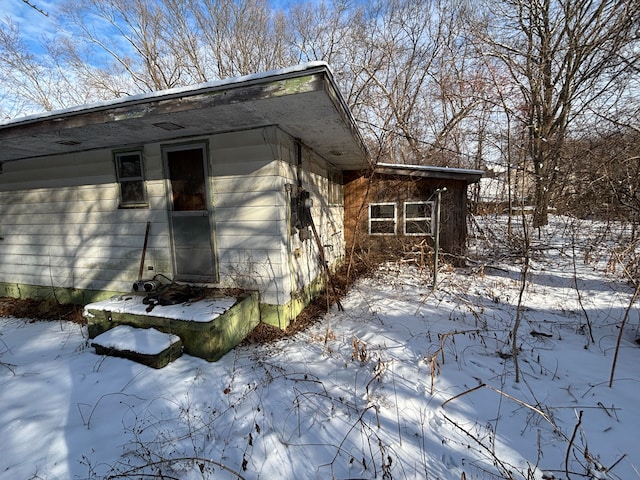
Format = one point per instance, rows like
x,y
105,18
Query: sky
x,y
32,23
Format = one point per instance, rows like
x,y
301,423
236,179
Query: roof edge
x,y
470,175
167,94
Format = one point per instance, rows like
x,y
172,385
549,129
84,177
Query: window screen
x,y
418,218
130,172
382,219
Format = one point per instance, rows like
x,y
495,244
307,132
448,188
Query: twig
x,y
573,436
575,282
505,471
504,394
36,8
169,461
624,321
464,393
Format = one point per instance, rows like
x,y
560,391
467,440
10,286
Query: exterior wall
x,y
63,231
254,176
62,228
360,192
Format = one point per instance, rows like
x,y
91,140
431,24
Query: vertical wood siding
x,y
399,189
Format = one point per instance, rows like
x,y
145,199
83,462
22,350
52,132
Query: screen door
x,y
189,213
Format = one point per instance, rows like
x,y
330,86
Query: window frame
x,y
408,219
373,220
121,179
335,189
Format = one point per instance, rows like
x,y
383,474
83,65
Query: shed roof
x,y
304,101
426,171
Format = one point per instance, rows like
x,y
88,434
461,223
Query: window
x,y
382,219
335,194
130,173
418,218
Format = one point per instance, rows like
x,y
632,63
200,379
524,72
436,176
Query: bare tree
x,y
22,72
563,55
240,37
416,85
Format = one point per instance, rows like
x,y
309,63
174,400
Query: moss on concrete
x,y
63,296
157,360
282,315
208,340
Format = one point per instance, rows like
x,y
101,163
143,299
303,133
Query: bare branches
x,y
36,8
563,55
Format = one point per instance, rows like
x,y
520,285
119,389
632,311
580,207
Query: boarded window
x,y
418,218
382,219
130,172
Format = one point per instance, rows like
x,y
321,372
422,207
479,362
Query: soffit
x,y
304,103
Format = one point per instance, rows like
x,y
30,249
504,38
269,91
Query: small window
x,y
382,219
335,194
130,172
418,218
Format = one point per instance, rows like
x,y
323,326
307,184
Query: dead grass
x,y
40,310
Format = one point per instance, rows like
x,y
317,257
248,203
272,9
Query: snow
x,y
201,311
168,93
430,168
406,382
148,341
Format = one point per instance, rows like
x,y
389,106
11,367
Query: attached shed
x,y
391,209
227,175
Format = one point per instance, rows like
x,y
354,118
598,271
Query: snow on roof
x,y
429,168
169,93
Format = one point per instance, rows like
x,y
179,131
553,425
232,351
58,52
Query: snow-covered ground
x,y
407,382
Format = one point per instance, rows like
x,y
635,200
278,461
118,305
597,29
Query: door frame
x,y
176,147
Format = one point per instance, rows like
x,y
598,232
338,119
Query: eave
x,y
303,101
425,171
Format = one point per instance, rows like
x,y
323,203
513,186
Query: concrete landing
x,y
208,328
143,345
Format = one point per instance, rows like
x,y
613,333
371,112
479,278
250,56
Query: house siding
x,y
62,227
255,249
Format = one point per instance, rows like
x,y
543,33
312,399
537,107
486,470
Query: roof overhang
x,y
425,171
303,101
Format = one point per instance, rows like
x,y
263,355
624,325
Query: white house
x,y
220,172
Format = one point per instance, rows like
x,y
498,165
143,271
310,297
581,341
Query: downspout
x,y
292,274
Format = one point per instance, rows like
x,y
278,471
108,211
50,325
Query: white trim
x,y
117,155
384,219
406,219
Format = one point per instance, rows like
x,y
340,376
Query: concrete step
x,y
147,346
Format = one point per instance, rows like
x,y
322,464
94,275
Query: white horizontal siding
x,y
62,225
249,211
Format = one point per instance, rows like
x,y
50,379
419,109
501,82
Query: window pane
x,y
383,227
418,227
417,210
132,192
129,166
383,211
187,179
